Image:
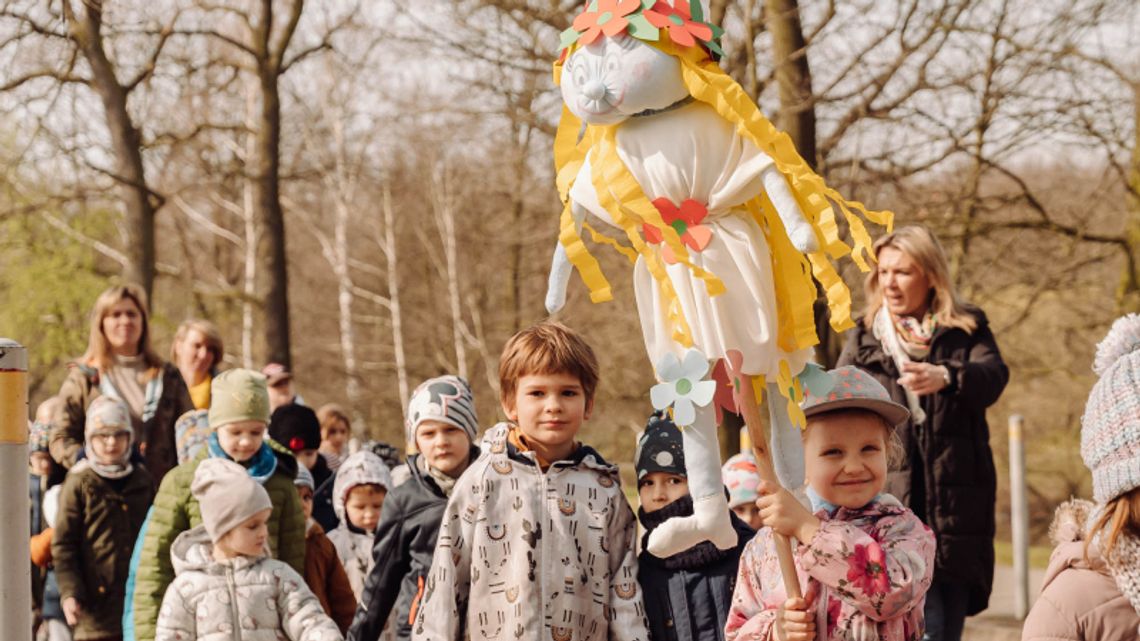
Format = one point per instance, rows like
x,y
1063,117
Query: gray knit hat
x,y
1110,428
227,495
447,399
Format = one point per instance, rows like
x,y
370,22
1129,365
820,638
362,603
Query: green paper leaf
x,y
679,226
593,6
695,11
717,31
569,37
642,29
647,4
714,46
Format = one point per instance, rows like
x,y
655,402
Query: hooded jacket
x,y
403,549
947,477
95,530
866,570
1080,598
688,595
527,554
248,598
176,510
326,578
353,545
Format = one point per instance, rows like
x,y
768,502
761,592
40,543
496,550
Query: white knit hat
x,y
1110,427
447,399
227,495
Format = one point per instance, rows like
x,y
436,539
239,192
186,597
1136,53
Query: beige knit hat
x,y
227,495
238,395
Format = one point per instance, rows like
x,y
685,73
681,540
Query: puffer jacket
x,y
95,530
688,595
326,578
157,443
353,545
404,545
867,571
527,554
1080,598
947,477
248,598
176,510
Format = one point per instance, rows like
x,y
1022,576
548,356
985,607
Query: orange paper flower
x,y
677,19
685,220
609,18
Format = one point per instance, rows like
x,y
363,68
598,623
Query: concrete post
x,y
1019,516
15,566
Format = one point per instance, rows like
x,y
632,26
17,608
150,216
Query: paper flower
x,y
679,21
685,220
607,16
683,386
726,373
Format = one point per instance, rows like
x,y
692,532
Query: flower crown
x,y
683,20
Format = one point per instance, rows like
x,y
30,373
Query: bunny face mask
x,y
611,79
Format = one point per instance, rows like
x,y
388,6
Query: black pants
x,y
945,611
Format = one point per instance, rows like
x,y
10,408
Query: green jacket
x,y
176,510
95,531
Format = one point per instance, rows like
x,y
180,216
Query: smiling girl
x,y
864,559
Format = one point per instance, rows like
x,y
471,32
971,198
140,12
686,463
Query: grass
x,y
1038,554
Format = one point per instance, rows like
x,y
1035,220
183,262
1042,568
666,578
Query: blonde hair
x,y
99,353
329,414
895,451
922,246
546,348
209,332
1120,516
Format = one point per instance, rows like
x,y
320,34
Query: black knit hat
x,y
296,427
660,448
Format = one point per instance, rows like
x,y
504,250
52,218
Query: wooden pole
x,y
750,409
1019,516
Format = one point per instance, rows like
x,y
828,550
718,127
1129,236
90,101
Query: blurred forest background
x,y
363,189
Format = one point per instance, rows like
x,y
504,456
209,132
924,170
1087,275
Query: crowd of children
x,y
525,532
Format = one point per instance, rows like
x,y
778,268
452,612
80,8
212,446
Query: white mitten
x,y
710,520
799,230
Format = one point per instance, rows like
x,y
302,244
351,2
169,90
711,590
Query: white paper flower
x,y
683,386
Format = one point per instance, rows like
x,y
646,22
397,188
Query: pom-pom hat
x,y
296,427
660,448
1110,427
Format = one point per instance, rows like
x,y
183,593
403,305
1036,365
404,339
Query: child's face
x,y
306,494
109,447
549,409
247,539
308,458
750,514
336,435
845,457
242,439
362,506
40,463
658,489
444,446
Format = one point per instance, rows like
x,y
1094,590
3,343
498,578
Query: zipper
x,y
233,601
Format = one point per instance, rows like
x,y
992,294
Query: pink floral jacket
x,y
866,574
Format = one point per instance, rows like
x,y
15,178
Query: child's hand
x,y
794,622
781,511
71,611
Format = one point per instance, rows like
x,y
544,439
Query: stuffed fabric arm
x,y
561,268
798,228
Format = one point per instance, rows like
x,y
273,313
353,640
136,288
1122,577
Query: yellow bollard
x,y
16,588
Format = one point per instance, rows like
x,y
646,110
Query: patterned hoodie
x,y
867,571
354,545
252,598
524,554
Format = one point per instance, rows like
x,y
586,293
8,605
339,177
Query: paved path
x,y
998,622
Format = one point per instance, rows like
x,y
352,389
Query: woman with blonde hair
x,y
197,351
936,355
121,363
1092,587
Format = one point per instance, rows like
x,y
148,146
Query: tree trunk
x,y
138,208
394,299
271,218
445,217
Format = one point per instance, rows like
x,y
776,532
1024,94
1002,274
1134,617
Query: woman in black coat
x,y
937,355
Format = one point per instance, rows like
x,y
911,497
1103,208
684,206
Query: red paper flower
x,y
296,444
677,19
685,220
608,18
867,569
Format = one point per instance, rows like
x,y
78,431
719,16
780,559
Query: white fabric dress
x,y
691,152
